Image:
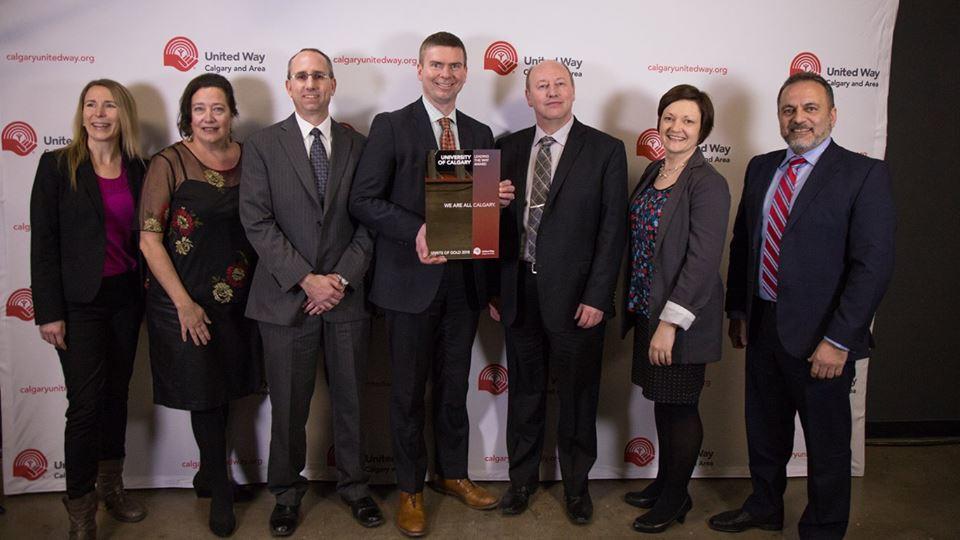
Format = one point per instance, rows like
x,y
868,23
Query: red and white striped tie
x,y
776,223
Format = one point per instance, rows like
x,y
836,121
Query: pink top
x,y
118,212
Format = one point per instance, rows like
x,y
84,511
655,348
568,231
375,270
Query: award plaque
x,y
463,208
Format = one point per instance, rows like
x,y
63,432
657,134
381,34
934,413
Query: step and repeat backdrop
x,y
623,57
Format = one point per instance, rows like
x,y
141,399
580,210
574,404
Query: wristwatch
x,y
343,281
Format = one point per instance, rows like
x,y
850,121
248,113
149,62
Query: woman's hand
x,y
55,333
194,321
661,344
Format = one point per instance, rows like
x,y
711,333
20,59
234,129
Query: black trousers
x,y
291,357
440,338
101,339
573,358
779,386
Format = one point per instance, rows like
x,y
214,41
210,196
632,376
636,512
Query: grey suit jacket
x,y
686,258
281,213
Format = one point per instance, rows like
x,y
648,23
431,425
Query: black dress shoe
x,y
515,500
740,520
648,526
640,499
579,508
283,520
366,512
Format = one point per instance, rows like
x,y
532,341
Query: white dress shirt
x,y
326,138
435,115
556,149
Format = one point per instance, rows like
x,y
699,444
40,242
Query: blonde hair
x,y
76,152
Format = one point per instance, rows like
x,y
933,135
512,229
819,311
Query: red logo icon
x,y
19,138
180,53
20,305
493,379
331,457
30,464
650,146
805,61
500,57
639,451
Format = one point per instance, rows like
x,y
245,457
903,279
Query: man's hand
x,y
588,317
324,292
506,192
661,344
55,333
827,361
423,252
738,333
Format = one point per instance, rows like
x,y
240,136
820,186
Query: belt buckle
x,y
533,268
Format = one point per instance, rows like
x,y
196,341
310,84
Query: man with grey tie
x,y
560,245
308,291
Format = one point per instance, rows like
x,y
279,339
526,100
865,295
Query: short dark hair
x,y
309,49
442,39
802,76
692,93
207,80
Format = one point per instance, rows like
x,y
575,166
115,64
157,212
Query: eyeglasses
x,y
302,76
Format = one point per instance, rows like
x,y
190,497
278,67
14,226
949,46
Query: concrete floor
x,y
907,493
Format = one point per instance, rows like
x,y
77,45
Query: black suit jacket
x,y
388,196
293,236
67,236
582,230
836,254
686,259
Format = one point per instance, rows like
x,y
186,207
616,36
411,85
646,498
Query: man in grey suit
x,y
308,291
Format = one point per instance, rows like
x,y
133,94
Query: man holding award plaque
x,y
431,305
561,245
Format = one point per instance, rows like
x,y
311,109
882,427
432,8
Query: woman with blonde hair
x,y
86,286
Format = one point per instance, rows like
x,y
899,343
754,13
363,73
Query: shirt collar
x,y
811,155
559,135
306,127
434,113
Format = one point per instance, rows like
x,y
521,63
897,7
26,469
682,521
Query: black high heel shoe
x,y
222,519
644,526
241,493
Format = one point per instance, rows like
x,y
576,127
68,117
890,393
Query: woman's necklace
x,y
665,172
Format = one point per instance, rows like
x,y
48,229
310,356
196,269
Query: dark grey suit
x,y
280,210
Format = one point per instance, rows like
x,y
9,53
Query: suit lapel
x,y
340,154
670,206
759,192
424,130
570,152
291,139
87,180
464,133
819,177
522,165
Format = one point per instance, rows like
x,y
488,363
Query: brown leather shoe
x,y
469,493
119,503
83,516
411,516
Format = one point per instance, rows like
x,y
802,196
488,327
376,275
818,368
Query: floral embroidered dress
x,y
645,213
196,208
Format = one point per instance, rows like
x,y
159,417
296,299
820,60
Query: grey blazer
x,y
280,211
686,260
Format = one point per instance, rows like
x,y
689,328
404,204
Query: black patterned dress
x,y
196,208
677,383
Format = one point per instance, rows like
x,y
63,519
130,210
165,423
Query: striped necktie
x,y
776,223
542,177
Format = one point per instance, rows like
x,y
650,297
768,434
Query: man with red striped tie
x,y
811,257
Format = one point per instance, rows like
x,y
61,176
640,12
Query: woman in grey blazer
x,y
674,296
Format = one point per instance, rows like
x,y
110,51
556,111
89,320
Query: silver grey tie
x,y
542,176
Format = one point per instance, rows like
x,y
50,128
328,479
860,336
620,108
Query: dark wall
x,y
915,370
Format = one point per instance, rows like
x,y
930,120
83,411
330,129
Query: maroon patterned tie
x,y
776,223
446,135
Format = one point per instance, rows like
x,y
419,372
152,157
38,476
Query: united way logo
x,y
500,57
639,451
493,379
805,61
180,53
19,138
20,305
331,456
650,146
30,464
